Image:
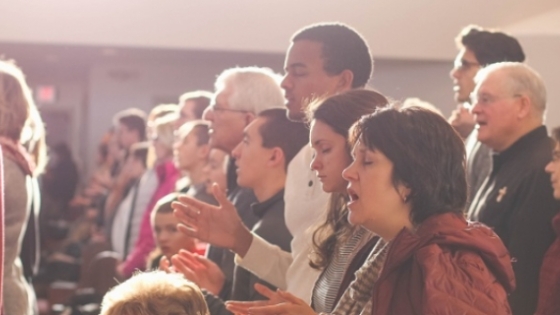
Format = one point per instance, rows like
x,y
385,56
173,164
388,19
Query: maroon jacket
x,y
448,266
549,286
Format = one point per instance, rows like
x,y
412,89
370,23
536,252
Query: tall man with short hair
x,y
516,198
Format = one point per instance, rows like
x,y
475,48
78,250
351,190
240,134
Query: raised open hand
x,y
200,270
279,303
218,225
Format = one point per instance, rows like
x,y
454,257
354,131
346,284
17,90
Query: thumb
x,y
290,297
264,291
220,195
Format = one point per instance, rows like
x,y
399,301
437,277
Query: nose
x,y
454,73
475,108
316,163
349,174
236,153
162,238
208,114
549,167
286,83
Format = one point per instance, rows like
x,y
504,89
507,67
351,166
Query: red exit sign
x,y
45,94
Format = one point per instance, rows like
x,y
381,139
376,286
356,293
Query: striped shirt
x,y
327,286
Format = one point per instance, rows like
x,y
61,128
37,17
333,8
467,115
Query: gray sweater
x,y
19,297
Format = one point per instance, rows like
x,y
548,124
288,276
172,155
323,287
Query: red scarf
x,y
17,153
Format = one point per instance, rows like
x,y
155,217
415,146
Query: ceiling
x,y
396,29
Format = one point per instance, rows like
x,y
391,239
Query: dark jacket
x,y
549,286
516,201
271,226
241,198
448,266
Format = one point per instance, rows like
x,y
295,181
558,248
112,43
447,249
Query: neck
x,y
389,229
197,174
269,186
518,134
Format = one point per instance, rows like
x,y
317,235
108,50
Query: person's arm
x,y
221,226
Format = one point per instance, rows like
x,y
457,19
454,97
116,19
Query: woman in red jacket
x,y
407,184
549,283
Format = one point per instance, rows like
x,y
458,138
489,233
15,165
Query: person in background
x,y
125,227
549,283
192,106
167,175
154,292
169,241
190,154
16,102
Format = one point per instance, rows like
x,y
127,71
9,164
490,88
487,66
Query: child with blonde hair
x,y
155,293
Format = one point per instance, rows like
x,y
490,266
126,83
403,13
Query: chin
x,y
353,219
295,115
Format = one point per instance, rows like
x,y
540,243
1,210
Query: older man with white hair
x,y
516,198
240,95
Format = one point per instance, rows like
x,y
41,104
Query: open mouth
x,y
352,195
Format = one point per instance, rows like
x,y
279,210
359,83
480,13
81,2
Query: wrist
x,y
243,239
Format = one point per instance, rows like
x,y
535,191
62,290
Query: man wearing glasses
x,y
478,48
240,95
516,199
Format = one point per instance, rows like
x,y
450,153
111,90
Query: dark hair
x,y
139,151
490,46
339,112
279,131
343,49
134,119
556,134
428,157
201,100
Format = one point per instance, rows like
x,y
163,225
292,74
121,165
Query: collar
x,y
519,146
260,208
231,175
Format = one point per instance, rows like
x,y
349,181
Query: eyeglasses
x,y
464,65
215,108
487,99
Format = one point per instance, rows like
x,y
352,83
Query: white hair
x,y
522,79
253,89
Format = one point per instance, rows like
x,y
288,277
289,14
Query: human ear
x,y
525,106
277,157
345,80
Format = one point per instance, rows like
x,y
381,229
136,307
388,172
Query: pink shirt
x,y
167,177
